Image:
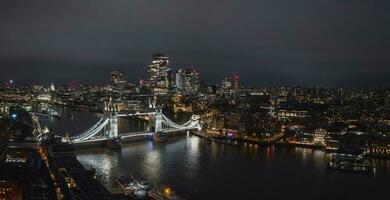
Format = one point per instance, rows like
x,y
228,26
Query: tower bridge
x,y
106,129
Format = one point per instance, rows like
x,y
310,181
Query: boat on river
x,y
47,112
51,112
350,163
134,188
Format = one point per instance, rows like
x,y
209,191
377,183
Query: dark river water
x,y
199,169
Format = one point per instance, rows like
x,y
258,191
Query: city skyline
x,y
143,74
267,43
196,99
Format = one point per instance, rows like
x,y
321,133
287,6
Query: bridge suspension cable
x,y
92,132
88,130
170,124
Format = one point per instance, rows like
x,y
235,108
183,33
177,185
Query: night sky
x,y
267,42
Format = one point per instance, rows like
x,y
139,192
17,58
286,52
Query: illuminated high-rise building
x,y
187,81
230,85
159,74
52,88
118,80
179,80
159,63
236,83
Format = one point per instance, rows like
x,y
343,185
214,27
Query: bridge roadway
x,y
101,140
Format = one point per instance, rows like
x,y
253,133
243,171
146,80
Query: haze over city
x,y
329,43
194,99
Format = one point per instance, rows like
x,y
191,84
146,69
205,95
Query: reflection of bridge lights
x,y
193,157
150,145
154,157
153,163
107,165
101,162
194,145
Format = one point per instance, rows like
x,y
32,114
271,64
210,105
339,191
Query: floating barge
x,y
350,163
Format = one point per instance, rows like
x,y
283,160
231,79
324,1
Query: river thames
x,y
200,169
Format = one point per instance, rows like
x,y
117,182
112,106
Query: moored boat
x,y
134,188
350,163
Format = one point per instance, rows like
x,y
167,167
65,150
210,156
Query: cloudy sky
x,y
267,42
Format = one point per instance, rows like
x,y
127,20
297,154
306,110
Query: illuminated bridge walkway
x,y
107,127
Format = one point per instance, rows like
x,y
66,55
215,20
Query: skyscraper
x,y
236,83
158,71
159,63
118,80
187,81
230,85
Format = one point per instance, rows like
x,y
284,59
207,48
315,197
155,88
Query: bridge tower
x,y
111,112
158,127
158,120
113,125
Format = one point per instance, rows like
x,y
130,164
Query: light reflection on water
x,y
152,163
194,167
200,169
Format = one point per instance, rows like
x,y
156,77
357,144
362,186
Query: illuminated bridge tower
x,y
158,126
158,121
113,125
112,115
